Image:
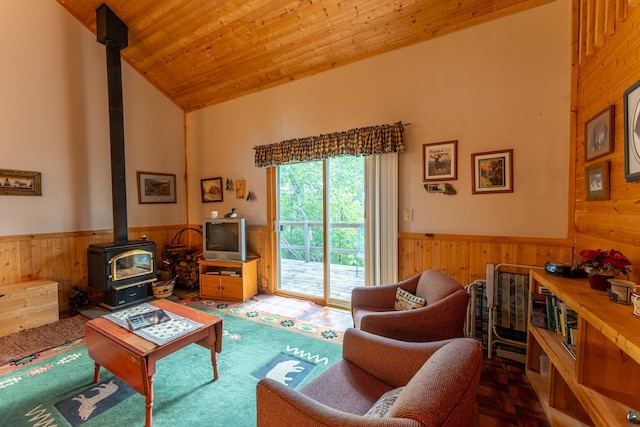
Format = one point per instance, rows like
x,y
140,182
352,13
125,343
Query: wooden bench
x,y
27,305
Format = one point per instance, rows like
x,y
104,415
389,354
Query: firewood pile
x,y
182,262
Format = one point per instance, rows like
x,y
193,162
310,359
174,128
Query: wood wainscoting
x,y
465,257
62,257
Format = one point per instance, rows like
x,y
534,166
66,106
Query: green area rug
x,y
39,394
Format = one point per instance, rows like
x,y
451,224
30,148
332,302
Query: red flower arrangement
x,y
598,261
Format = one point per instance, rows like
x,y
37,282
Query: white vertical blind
x,y
381,219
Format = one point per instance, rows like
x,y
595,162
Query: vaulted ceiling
x,y
203,52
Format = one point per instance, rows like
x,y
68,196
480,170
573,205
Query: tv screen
x,y
224,238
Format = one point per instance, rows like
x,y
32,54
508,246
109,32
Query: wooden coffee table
x,y
133,359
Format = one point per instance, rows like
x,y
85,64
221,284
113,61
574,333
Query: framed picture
x,y
597,179
20,183
632,133
241,188
211,189
440,161
598,133
156,187
492,172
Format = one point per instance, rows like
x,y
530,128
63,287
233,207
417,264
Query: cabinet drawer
x,y
209,286
209,280
232,288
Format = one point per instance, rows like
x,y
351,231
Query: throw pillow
x,y
406,300
382,407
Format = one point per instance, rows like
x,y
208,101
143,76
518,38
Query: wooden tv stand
x,y
600,385
228,279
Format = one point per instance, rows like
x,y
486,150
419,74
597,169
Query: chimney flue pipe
x,y
113,33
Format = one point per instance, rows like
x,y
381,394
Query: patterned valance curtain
x,y
355,142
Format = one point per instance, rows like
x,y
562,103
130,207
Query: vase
x,y
635,300
620,290
599,282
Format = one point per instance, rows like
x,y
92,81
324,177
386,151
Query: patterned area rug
x,y
253,313
26,345
280,306
271,310
59,391
93,401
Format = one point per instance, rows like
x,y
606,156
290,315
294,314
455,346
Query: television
x,y
224,238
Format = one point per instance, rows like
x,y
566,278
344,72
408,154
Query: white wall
x,y
54,120
503,84
500,85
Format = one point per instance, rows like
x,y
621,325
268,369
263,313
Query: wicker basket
x,y
163,289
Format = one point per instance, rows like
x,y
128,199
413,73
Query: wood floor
x,y
505,397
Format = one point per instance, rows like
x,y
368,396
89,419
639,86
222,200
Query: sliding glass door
x,y
320,228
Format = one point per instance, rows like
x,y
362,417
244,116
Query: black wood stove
x,y
122,270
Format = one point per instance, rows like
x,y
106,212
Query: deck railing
x,y
307,248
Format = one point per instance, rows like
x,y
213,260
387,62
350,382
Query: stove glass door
x,y
133,263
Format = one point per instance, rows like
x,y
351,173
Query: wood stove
x,y
123,269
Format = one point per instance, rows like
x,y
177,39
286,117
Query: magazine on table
x,y
165,332
160,332
142,320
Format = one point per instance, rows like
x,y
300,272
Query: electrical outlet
x,y
408,214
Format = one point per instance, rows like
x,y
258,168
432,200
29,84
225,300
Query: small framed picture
x,y
632,133
597,179
241,188
492,172
598,134
20,183
156,187
440,161
211,189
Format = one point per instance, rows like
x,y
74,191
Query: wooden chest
x,y
26,305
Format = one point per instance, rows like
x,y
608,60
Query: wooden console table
x,y
601,384
133,359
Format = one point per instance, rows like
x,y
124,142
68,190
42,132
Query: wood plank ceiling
x,y
203,52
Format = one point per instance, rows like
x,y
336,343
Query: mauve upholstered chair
x,y
443,316
435,383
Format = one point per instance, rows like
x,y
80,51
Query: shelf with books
x,y
561,366
595,387
551,343
549,312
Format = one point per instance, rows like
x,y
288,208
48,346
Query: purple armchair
x,y
434,384
442,317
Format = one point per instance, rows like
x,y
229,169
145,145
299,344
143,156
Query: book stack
x,y
539,311
547,311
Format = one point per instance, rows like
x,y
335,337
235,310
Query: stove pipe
x,y
113,33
